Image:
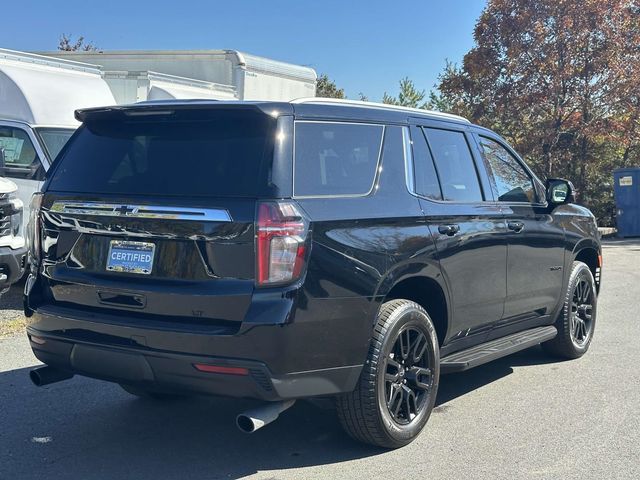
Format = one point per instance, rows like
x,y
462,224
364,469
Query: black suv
x,y
316,248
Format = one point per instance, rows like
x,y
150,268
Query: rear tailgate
x,y
201,265
152,212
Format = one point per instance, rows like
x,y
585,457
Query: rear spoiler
x,y
168,107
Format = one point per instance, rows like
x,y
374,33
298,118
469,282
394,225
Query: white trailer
x,y
253,77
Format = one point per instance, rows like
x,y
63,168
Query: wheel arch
x,y
590,254
427,290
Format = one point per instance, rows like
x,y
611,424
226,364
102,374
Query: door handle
x,y
449,230
516,226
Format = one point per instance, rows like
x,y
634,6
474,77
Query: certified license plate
x,y
130,257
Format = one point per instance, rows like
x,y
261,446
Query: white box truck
x,y
253,77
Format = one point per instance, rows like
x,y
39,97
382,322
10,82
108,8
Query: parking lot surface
x,y
524,416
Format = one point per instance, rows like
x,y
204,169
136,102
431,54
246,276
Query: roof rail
x,y
384,106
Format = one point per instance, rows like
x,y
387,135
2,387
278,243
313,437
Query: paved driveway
x,y
524,416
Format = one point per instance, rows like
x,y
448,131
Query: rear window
x,y
194,153
335,158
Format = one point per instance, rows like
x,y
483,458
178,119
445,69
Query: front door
x,y
535,251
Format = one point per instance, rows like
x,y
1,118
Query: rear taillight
x,y
281,242
33,228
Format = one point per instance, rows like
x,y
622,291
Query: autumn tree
x,y
67,44
327,88
559,79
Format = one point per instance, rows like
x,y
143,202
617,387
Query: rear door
x,y
154,214
536,242
467,226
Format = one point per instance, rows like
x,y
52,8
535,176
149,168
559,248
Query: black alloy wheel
x,y
582,312
398,384
408,378
577,320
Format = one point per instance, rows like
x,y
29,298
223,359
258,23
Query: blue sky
x,y
364,46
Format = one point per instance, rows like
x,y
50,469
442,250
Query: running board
x,y
500,347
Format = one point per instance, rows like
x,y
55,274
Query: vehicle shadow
x,y
84,428
458,384
96,430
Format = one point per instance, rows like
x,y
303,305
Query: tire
x,y
381,411
149,394
577,320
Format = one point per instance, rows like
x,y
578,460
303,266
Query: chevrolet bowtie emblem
x,y
125,210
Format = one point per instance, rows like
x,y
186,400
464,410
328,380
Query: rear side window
x,y
511,183
336,158
193,153
455,166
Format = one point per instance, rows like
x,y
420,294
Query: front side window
x,y
455,166
511,182
336,158
18,157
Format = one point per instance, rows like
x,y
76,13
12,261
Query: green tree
x,y
408,96
327,88
67,44
559,79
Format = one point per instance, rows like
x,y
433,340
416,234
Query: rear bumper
x,y
274,366
11,265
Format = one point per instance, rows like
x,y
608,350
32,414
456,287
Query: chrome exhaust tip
x,y
258,417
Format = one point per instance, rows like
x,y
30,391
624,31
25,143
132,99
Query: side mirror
x,y
559,191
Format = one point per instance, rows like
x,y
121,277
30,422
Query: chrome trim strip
x,y
376,105
408,161
141,211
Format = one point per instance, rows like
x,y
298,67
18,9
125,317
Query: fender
x,y
427,269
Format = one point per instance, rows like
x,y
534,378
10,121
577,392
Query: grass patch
x,y
10,327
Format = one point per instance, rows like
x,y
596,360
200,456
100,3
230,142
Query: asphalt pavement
x,y
522,417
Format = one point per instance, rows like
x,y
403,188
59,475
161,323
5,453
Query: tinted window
x,y
426,179
511,183
54,139
456,170
336,158
20,157
223,153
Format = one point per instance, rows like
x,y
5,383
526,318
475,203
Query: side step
x,y
500,347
